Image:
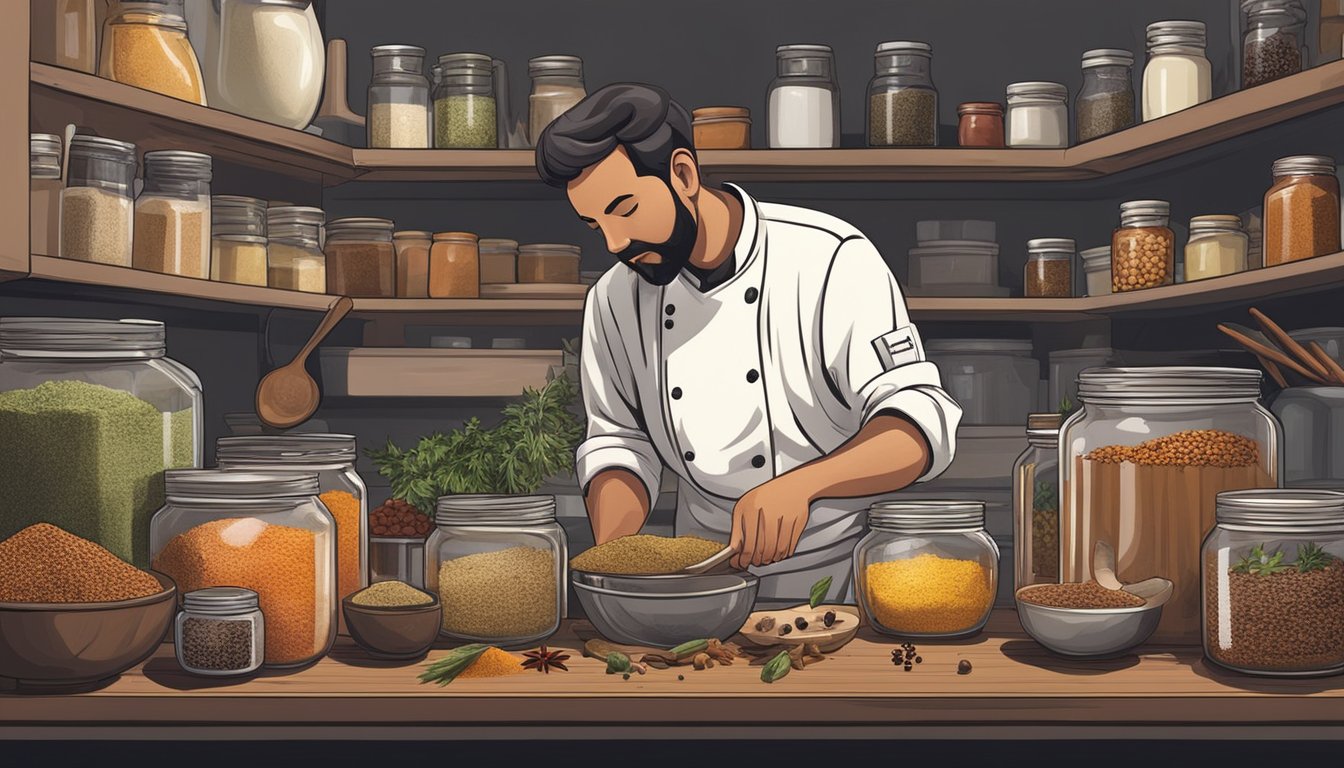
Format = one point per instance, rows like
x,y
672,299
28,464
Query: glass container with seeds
x,y
97,216
1301,210
172,215
294,258
220,632
1049,270
399,115
464,102
144,44
1143,247
902,101
361,260
1036,503
1105,103
1273,45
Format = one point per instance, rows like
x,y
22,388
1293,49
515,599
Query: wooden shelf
x,y
368,371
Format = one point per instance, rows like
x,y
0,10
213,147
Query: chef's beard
x,y
675,252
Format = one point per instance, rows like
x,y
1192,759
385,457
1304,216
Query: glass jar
x,y
220,632
96,211
464,102
1036,503
91,414
1065,365
1331,31
1217,246
1301,210
294,260
1143,252
412,248
1178,75
926,569
1038,115
238,248
499,565
1142,462
65,34
1273,583
557,85
804,99
1313,432
399,116
454,266
1106,101
721,128
548,263
265,59
499,261
361,260
1097,270
263,531
172,215
44,194
1274,45
902,102
980,124
995,381
145,45
1049,271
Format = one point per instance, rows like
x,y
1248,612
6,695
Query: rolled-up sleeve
x,y
875,360
615,436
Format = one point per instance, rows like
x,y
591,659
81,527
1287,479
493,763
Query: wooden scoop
x,y
287,396
711,563
1103,566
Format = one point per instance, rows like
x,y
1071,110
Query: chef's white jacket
x,y
778,365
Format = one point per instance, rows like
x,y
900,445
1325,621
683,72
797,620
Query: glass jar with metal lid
x,y
1274,44
1217,246
499,565
1141,464
1301,209
1178,74
265,59
1049,271
172,215
902,102
1143,247
1273,583
263,531
1105,103
220,632
980,124
499,260
238,250
926,569
399,115
97,216
412,246
557,85
548,263
803,102
464,102
1036,503
1038,115
455,266
44,193
294,259
361,260
144,44
91,414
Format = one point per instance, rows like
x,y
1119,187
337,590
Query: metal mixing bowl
x,y
665,611
1094,633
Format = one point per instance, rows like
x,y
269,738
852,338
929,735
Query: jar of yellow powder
x,y
926,568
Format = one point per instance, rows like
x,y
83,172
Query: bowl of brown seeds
x,y
1087,620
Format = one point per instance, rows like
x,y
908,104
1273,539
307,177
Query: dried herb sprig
x,y
443,671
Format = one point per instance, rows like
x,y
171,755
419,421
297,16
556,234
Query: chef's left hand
x,y
768,521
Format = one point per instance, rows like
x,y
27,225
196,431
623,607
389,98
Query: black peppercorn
x,y
908,667
963,667
919,659
681,677
829,618
625,676
800,622
785,629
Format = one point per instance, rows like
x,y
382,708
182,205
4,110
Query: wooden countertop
x,y
1015,690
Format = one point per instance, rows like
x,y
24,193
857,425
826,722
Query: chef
x,y
762,352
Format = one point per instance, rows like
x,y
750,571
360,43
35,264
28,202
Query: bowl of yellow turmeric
x,y
393,620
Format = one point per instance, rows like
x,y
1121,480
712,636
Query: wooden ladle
x,y
287,396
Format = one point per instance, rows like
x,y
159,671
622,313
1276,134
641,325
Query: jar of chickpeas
x,y
1143,247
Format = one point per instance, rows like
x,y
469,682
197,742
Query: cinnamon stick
x,y
1260,350
1289,344
1331,365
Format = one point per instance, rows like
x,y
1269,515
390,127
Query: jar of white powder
x,y
804,99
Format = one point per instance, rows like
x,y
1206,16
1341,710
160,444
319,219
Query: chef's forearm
x,y
617,503
888,454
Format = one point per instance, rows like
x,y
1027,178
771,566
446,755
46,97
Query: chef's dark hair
x,y
641,118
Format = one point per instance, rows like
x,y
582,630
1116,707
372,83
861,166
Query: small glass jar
x,y
499,565
294,258
548,263
265,59
721,128
1036,503
1143,247
1049,271
557,85
1301,210
65,34
44,194
980,124
1178,74
1217,246
1106,101
263,531
1273,583
1274,44
902,101
499,261
926,569
454,266
1097,270
97,216
1330,37
238,247
361,260
1038,115
464,102
172,215
220,632
145,45
803,99
399,115
412,263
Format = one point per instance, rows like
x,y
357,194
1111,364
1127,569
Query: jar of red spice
x,y
981,124
361,260
455,266
1301,210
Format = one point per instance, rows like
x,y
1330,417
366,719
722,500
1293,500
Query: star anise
x,y
542,660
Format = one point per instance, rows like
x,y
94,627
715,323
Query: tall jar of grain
x,y
172,215
499,565
902,102
1301,209
1036,504
145,44
263,531
399,116
926,569
1143,461
97,215
1143,248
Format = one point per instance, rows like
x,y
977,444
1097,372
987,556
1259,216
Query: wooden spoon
x,y
1103,566
711,563
287,396
1331,365
1271,353
1289,344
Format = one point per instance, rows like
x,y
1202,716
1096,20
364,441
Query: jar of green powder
x,y
464,102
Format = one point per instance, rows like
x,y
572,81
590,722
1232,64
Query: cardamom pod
x,y
777,667
818,592
689,648
617,663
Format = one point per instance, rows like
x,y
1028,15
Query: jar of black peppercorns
x,y
1273,46
220,632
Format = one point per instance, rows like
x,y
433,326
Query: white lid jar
x,y
803,102
1038,115
265,59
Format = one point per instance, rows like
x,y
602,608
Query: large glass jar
x,y
44,194
464,102
1301,209
548,263
499,565
1217,246
1142,462
91,414
263,531
902,102
65,34
1038,115
361,260
399,115
265,59
926,569
1313,433
1143,247
97,215
804,99
995,381
1049,271
1331,31
145,44
1273,46
1036,503
1106,101
557,85
172,215
1178,74
294,258
1273,582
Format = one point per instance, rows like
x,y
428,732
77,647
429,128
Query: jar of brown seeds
x,y
1143,247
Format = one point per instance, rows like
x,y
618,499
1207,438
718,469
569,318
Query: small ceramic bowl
x,y
1095,633
394,633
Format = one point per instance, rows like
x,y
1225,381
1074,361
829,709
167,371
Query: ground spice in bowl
x,y
44,564
391,594
1087,594
928,594
645,555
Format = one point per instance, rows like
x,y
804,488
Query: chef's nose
x,y
616,244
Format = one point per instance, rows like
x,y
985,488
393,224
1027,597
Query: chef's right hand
x,y
768,521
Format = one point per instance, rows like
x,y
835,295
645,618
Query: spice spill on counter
x,y
391,594
906,656
45,564
494,663
645,554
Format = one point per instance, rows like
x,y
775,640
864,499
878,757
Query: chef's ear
x,y
685,173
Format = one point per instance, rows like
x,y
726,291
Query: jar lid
x,y
498,245
178,164
306,448
1298,165
1284,509
1107,57
1039,89
555,65
1043,245
491,509
396,50
1215,222
254,485
221,601
1096,255
805,49
473,61
1139,208
60,334
1176,32
980,108
934,516
107,149
234,237
1169,385
411,234
44,144
1044,422
353,228
237,201
955,346
535,248
909,47
456,237
719,113
295,214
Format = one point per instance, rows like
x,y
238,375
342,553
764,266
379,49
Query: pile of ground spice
x,y
345,508
1087,594
391,594
44,564
928,594
494,663
1191,448
643,554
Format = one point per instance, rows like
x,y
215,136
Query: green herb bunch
x,y
1310,557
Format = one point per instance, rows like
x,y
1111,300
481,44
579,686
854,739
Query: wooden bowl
x,y
403,633
826,639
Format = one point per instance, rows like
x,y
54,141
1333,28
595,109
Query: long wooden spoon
x,y
287,396
1289,344
1271,353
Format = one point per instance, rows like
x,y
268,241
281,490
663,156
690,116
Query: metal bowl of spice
x,y
664,611
393,620
1087,620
